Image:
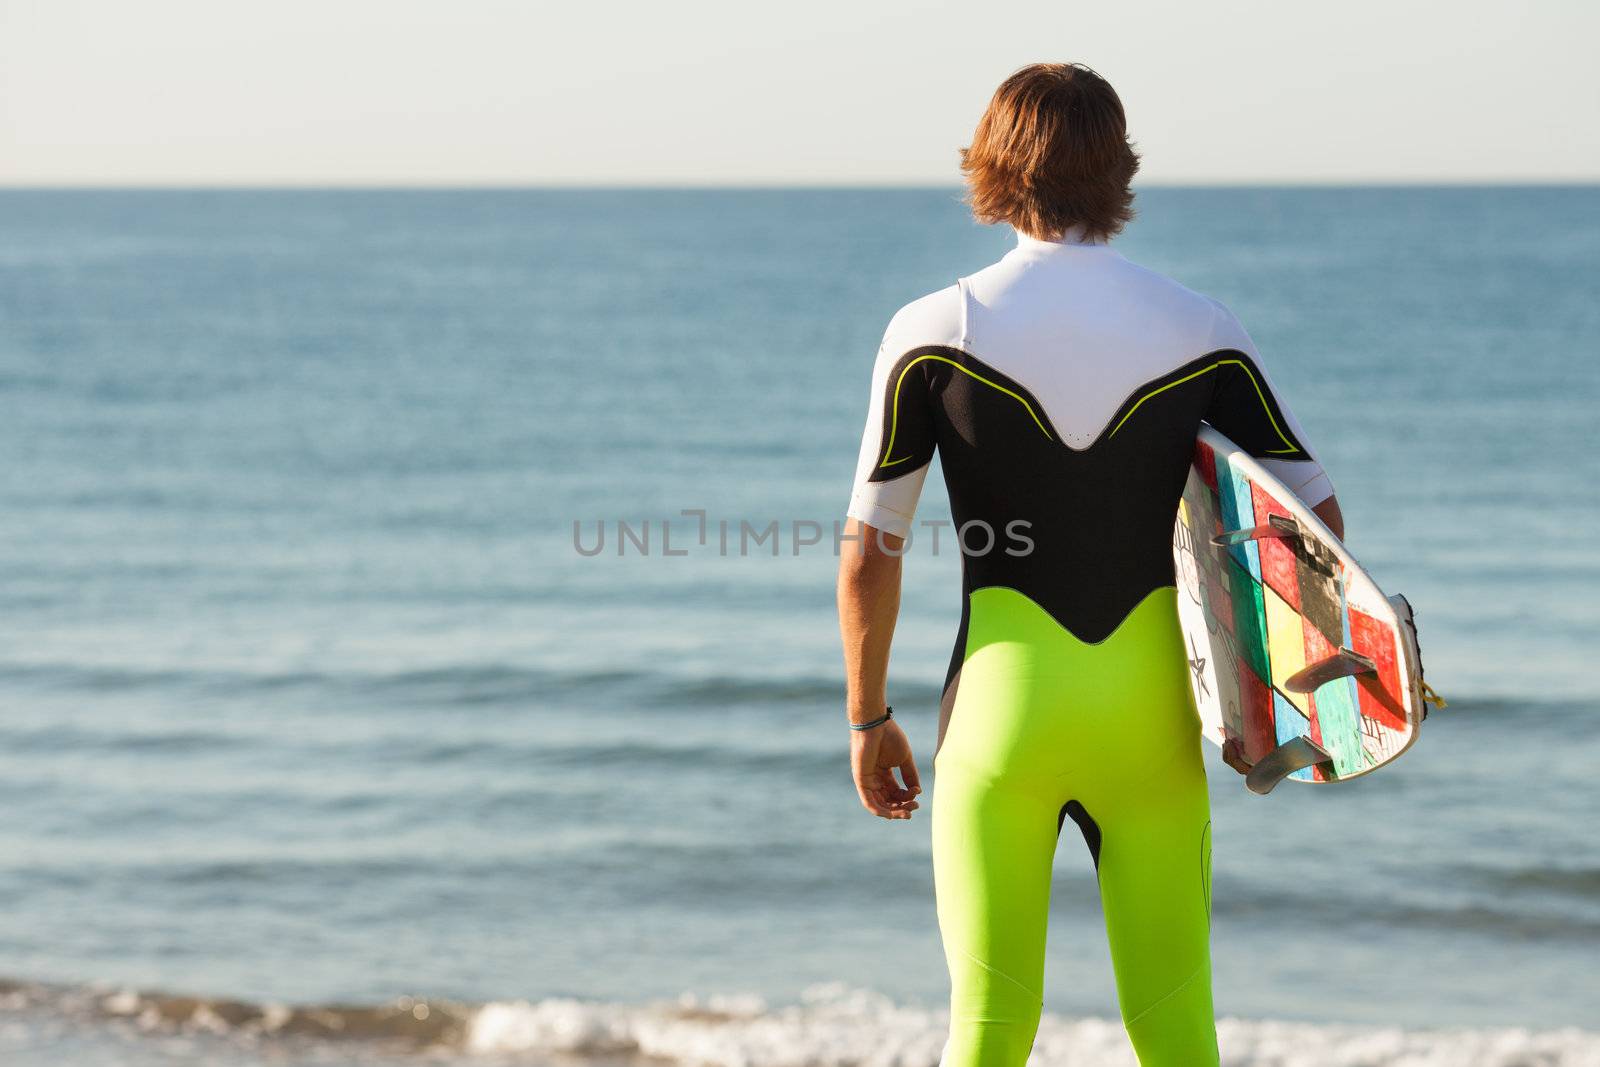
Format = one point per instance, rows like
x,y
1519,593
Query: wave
x,y
836,1026
451,685
1580,881
829,1026
465,684
404,1022
1511,907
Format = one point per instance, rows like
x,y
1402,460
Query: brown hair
x,y
1052,153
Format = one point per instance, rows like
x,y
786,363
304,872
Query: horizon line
x,y
602,185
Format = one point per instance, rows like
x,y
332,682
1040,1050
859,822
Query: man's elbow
x,y
1328,511
867,552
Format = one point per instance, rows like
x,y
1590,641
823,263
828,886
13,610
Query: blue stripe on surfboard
x,y
1238,513
1340,719
1290,724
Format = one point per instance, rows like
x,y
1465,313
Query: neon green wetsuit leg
x,y
1045,727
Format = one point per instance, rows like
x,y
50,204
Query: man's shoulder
x,y
1173,292
1182,305
935,319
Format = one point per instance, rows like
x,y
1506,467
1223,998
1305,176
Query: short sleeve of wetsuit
x,y
898,442
1250,411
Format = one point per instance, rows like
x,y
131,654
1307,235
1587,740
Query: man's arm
x,y
897,445
869,602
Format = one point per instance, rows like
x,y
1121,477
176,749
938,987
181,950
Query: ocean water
x,y
322,740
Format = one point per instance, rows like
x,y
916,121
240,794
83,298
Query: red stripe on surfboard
x,y
1205,461
1317,650
1317,647
1376,641
1255,697
1277,555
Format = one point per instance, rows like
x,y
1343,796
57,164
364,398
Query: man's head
x,y
1052,154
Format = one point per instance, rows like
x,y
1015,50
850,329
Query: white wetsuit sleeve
x,y
1249,409
898,442
887,485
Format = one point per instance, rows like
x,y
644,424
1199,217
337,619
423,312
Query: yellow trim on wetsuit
x,y
1206,370
894,422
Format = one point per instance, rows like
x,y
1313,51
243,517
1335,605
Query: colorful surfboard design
x,y
1288,636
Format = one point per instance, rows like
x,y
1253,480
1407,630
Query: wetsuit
x,y
1063,386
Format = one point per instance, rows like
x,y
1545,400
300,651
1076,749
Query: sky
x,y
836,92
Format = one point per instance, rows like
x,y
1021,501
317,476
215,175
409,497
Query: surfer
x,y
1062,388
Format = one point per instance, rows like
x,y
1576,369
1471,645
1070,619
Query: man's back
x,y
1062,388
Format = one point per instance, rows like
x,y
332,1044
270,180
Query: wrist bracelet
x,y
888,713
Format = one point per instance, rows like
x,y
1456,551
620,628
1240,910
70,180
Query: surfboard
x,y
1293,649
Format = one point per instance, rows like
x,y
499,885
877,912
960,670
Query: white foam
x,y
835,1026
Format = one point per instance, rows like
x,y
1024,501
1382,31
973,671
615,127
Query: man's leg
x,y
993,841
1155,885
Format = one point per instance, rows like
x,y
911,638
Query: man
x,y
1062,388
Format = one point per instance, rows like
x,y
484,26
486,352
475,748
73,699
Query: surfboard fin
x,y
1344,663
1275,766
1278,527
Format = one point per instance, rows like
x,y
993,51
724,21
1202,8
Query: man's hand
x,y
874,754
1233,755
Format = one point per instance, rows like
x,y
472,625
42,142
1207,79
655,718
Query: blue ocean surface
x,y
324,737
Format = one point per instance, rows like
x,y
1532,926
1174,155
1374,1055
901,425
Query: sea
x,y
417,640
